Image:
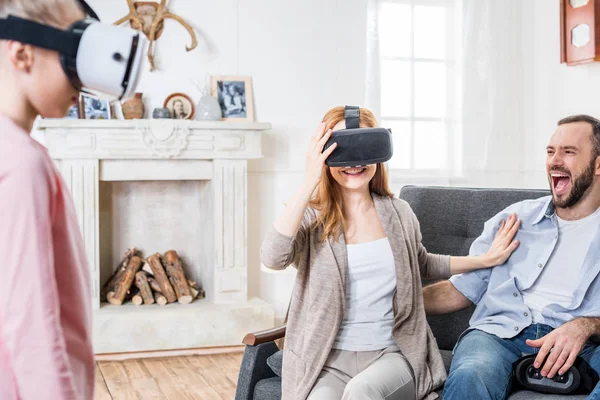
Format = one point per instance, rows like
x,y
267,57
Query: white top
x,y
559,279
370,286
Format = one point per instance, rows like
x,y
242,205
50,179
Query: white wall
x,y
304,57
553,90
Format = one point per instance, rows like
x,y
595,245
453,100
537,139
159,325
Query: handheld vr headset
x,y
100,59
579,379
358,146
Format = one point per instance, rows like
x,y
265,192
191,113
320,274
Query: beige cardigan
x,y
318,299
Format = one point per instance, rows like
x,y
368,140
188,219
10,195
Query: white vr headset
x,y
100,59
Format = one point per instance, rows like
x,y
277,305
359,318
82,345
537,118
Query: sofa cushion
x,y
453,232
447,357
268,389
275,361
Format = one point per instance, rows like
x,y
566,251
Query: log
x,y
110,284
141,281
110,296
181,298
197,291
177,277
160,299
154,285
161,278
130,293
123,284
175,287
109,287
138,299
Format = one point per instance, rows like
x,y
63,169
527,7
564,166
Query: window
x,y
419,81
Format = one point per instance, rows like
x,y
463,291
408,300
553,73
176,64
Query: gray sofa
x,y
450,219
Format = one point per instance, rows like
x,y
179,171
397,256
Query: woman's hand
x,y
289,221
315,157
501,248
503,245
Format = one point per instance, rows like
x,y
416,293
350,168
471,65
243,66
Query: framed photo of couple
x,y
234,94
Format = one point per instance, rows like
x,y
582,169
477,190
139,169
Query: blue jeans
x,y
482,364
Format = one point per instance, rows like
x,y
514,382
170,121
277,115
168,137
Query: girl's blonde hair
x,y
328,198
52,12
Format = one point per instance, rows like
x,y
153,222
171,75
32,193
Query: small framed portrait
x,y
181,106
235,97
93,108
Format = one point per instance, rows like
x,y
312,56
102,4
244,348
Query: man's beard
x,y
579,187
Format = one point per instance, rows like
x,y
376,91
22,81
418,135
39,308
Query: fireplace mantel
x,y
92,153
153,139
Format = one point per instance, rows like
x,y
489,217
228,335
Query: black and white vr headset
x,y
100,59
358,146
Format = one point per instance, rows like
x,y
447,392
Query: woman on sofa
x,y
356,326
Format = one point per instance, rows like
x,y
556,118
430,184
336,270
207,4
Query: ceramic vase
x,y
208,108
134,108
161,113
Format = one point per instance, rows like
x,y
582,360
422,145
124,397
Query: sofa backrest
x,y
451,219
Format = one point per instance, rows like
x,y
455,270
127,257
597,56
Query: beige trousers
x,y
349,375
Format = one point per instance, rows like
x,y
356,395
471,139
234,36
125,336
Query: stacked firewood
x,y
157,279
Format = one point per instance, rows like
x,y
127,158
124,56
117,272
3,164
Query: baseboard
x,y
169,353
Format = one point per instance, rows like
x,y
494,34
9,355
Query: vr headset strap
x,y
88,10
35,34
352,117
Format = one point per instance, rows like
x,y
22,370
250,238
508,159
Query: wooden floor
x,y
210,377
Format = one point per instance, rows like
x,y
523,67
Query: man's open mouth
x,y
561,183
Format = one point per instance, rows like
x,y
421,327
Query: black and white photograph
x,y
95,109
235,97
180,106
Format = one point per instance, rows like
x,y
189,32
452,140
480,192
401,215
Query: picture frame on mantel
x,y
235,97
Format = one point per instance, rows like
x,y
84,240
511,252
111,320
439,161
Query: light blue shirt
x,y
497,291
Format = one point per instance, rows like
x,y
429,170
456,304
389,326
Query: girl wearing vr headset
x,y
356,326
45,295
45,292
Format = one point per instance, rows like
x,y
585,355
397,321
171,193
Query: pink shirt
x,y
45,294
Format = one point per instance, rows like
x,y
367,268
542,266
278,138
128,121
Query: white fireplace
x,y
163,185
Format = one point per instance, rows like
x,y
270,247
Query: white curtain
x,y
493,89
373,70
486,110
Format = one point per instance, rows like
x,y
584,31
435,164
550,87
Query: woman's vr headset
x,y
100,59
358,146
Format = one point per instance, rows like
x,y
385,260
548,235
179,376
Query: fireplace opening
x,y
156,242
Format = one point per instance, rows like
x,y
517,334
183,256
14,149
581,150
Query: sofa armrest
x,y
269,335
254,368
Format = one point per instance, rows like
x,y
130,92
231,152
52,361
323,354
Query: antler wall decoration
x,y
149,16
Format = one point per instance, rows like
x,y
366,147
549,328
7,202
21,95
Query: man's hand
x,y
564,345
